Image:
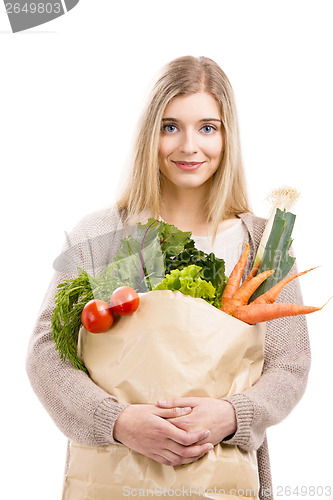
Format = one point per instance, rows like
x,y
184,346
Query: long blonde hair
x,y
184,76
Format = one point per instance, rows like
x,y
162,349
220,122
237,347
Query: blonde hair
x,y
184,76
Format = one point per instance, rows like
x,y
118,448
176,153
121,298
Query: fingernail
x,y
161,401
211,447
206,434
186,410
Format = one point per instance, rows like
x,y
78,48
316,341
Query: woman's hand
x,y
145,429
216,415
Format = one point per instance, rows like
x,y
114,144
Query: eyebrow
x,y
203,120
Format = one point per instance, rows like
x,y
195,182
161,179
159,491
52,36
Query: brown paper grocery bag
x,y
173,345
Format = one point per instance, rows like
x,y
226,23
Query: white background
x,y
71,92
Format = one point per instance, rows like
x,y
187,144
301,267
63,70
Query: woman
x,y
188,171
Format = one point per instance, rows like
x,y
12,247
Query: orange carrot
x,y
235,276
257,313
252,273
271,295
242,296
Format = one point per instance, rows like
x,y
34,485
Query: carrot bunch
x,y
235,297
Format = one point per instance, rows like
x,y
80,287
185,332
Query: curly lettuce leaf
x,y
189,281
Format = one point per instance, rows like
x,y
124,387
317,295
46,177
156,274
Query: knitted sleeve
x,y
283,381
81,410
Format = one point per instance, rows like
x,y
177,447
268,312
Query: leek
x,y
282,198
276,240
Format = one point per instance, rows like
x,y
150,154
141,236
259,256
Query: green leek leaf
x,y
276,255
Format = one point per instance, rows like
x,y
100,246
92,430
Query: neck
x,y
184,207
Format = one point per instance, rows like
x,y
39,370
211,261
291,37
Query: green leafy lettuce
x,y
189,281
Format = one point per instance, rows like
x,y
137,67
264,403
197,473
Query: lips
x,y
188,165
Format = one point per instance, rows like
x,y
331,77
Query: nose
x,y
189,145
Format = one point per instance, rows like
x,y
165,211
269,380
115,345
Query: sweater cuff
x,y
104,419
244,416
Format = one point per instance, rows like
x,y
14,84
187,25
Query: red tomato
x,y
124,301
97,316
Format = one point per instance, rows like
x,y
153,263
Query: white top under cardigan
x,y
227,246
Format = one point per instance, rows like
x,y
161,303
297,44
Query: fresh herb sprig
x,y
66,319
70,300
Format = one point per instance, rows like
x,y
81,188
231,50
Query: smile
x,y
188,165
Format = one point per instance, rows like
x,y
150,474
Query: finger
x,y
181,423
169,458
185,438
179,453
181,402
173,412
160,459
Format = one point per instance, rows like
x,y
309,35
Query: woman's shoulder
x,y
98,222
254,224
253,221
92,241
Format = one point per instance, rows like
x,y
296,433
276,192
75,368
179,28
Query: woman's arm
x,y
83,411
87,414
280,387
283,380
286,365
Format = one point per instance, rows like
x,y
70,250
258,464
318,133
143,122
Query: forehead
x,y
192,107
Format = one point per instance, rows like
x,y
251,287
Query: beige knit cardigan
x,y
86,414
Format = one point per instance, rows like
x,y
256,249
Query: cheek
x,y
217,148
214,147
161,153
167,145
162,148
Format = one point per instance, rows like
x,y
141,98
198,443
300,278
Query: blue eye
x,y
169,128
207,129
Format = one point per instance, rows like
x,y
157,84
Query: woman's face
x,y
191,142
